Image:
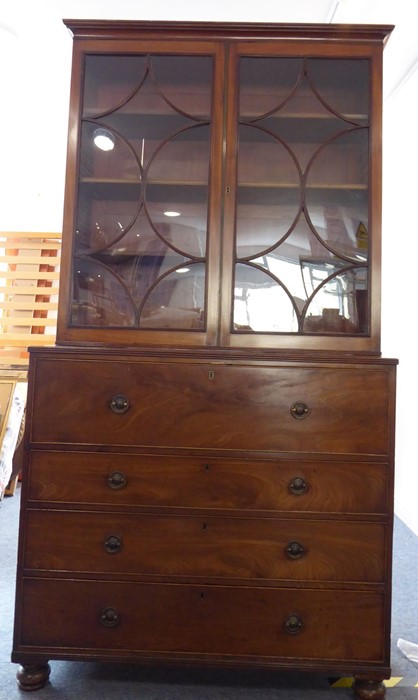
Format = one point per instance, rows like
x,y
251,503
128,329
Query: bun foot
x,y
368,689
33,677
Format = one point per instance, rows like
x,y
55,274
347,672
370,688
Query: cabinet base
x,y
34,677
31,677
368,689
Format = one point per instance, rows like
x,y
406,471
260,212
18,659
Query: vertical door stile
x,y
229,193
216,180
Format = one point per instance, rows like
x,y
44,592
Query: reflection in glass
x,y
177,300
338,305
310,297
99,297
261,303
152,114
302,202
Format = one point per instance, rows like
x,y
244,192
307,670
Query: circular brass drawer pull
x,y
295,550
298,486
117,480
293,624
119,404
110,617
113,544
300,410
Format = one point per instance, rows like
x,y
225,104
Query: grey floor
x,y
93,681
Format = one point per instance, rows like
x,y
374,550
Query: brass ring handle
x,y
293,624
295,550
119,404
299,410
298,486
113,544
110,617
117,480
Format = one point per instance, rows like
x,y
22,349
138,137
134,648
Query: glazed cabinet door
x,y
145,173
298,217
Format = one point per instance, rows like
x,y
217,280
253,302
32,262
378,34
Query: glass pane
x,y
339,306
185,82
343,85
266,84
268,191
336,212
286,262
110,80
99,297
106,176
261,225
302,200
182,164
177,300
261,304
142,204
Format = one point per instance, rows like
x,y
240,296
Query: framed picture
x,y
11,406
7,387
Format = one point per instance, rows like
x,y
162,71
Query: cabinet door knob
x,y
293,624
119,404
295,550
113,544
298,486
299,410
117,480
110,617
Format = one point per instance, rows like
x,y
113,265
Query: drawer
x,y
211,547
153,481
190,622
203,405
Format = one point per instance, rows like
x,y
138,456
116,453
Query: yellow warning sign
x,y
362,237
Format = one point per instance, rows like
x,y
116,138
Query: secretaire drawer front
x,y
211,547
221,621
156,481
176,404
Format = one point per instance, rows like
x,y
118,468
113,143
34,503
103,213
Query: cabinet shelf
x,y
128,190
248,114
127,182
291,128
294,186
137,125
262,194
112,183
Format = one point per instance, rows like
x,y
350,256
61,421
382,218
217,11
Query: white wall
x,y
35,56
33,124
400,274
